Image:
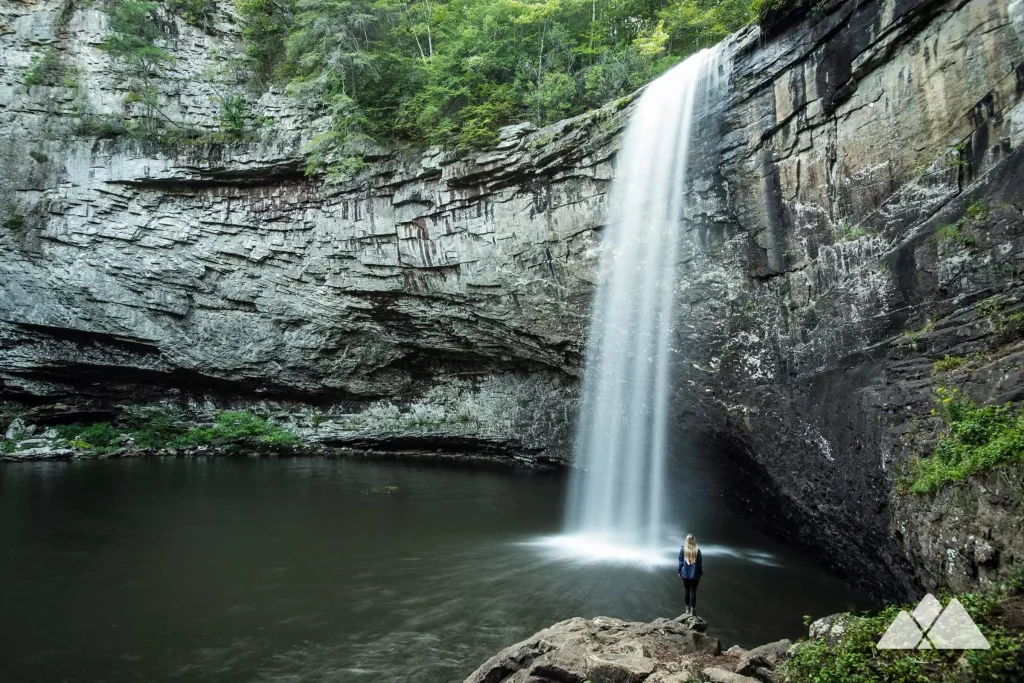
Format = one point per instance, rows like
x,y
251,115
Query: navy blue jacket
x,y
687,570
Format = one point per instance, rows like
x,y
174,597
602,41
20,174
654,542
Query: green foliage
x,y
953,234
157,428
977,439
153,427
977,212
14,220
236,427
974,217
850,233
769,12
100,127
453,72
135,36
265,25
947,363
134,42
854,659
45,68
234,113
196,12
100,437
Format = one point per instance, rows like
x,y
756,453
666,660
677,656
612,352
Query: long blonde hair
x,y
690,549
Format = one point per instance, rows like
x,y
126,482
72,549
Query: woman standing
x,y
691,567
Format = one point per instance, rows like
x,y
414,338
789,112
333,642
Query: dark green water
x,y
308,570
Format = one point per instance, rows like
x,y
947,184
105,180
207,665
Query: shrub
x,y
953,234
947,363
978,438
854,659
99,436
44,68
100,127
195,12
234,114
236,427
977,212
153,428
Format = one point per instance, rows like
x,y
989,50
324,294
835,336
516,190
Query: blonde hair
x,y
690,549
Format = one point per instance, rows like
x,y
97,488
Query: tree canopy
x,y
454,71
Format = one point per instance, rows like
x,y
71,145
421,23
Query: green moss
x,y
854,659
947,363
236,427
977,439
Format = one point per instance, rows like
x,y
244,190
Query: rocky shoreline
x,y
839,648
607,650
283,436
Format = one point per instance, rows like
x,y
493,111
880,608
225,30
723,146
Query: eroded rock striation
x,y
438,298
858,219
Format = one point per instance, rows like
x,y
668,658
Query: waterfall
x,y
616,496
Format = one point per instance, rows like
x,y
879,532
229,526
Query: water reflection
x,y
297,571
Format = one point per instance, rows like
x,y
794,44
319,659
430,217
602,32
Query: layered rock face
x,y
863,220
858,216
437,300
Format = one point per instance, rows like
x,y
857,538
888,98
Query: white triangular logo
x,y
932,627
955,630
902,634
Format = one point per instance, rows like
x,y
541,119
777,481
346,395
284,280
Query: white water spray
x,y
616,497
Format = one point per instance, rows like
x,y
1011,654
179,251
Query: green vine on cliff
x,y
975,439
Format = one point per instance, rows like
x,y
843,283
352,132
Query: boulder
x,y
831,628
766,675
722,676
602,650
764,656
18,430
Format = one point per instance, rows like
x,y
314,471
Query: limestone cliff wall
x,y
864,219
439,299
437,296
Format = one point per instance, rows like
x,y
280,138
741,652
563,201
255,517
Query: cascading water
x,y
616,496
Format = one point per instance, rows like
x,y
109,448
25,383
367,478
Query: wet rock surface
x,y
860,218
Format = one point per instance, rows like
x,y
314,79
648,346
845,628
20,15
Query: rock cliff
x,y
438,300
859,217
862,222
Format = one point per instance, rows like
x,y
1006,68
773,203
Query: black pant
x,y
690,586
